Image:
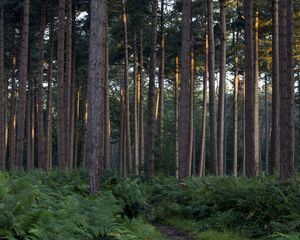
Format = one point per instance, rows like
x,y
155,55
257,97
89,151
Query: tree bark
x,y
192,130
251,151
204,110
235,105
96,84
266,126
177,117
221,111
60,87
49,98
161,73
22,86
275,134
2,85
151,94
212,107
40,92
184,100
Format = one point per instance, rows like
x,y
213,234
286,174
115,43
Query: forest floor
x,y
172,233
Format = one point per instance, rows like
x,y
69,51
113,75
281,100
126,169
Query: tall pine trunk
x,y
177,117
221,109
22,86
151,94
184,101
2,101
40,92
96,84
212,106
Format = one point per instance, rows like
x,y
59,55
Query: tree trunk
x,y
212,107
136,110
251,151
191,130
266,126
60,87
235,105
221,110
286,67
184,100
2,104
40,92
141,106
22,86
96,84
151,94
275,134
161,73
67,85
176,116
204,107
49,98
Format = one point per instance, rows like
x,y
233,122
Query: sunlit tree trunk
x,y
191,130
177,116
2,90
22,86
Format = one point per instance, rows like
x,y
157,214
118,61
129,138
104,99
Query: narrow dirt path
x,y
172,233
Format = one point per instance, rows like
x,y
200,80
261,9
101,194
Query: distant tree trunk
x,y
13,119
256,95
22,86
266,125
96,83
191,130
127,140
28,132
286,67
244,126
49,98
40,92
141,106
67,85
60,87
161,73
77,122
235,105
184,100
151,94
176,116
107,108
212,107
251,151
221,110
275,133
2,85
136,107
204,107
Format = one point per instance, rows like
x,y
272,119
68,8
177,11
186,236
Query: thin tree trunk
x,y
49,98
191,130
251,156
28,132
161,73
67,85
184,101
2,104
266,126
151,94
40,92
244,126
204,109
96,84
235,105
22,86
136,110
275,134
212,107
141,106
221,111
176,116
60,87
77,122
